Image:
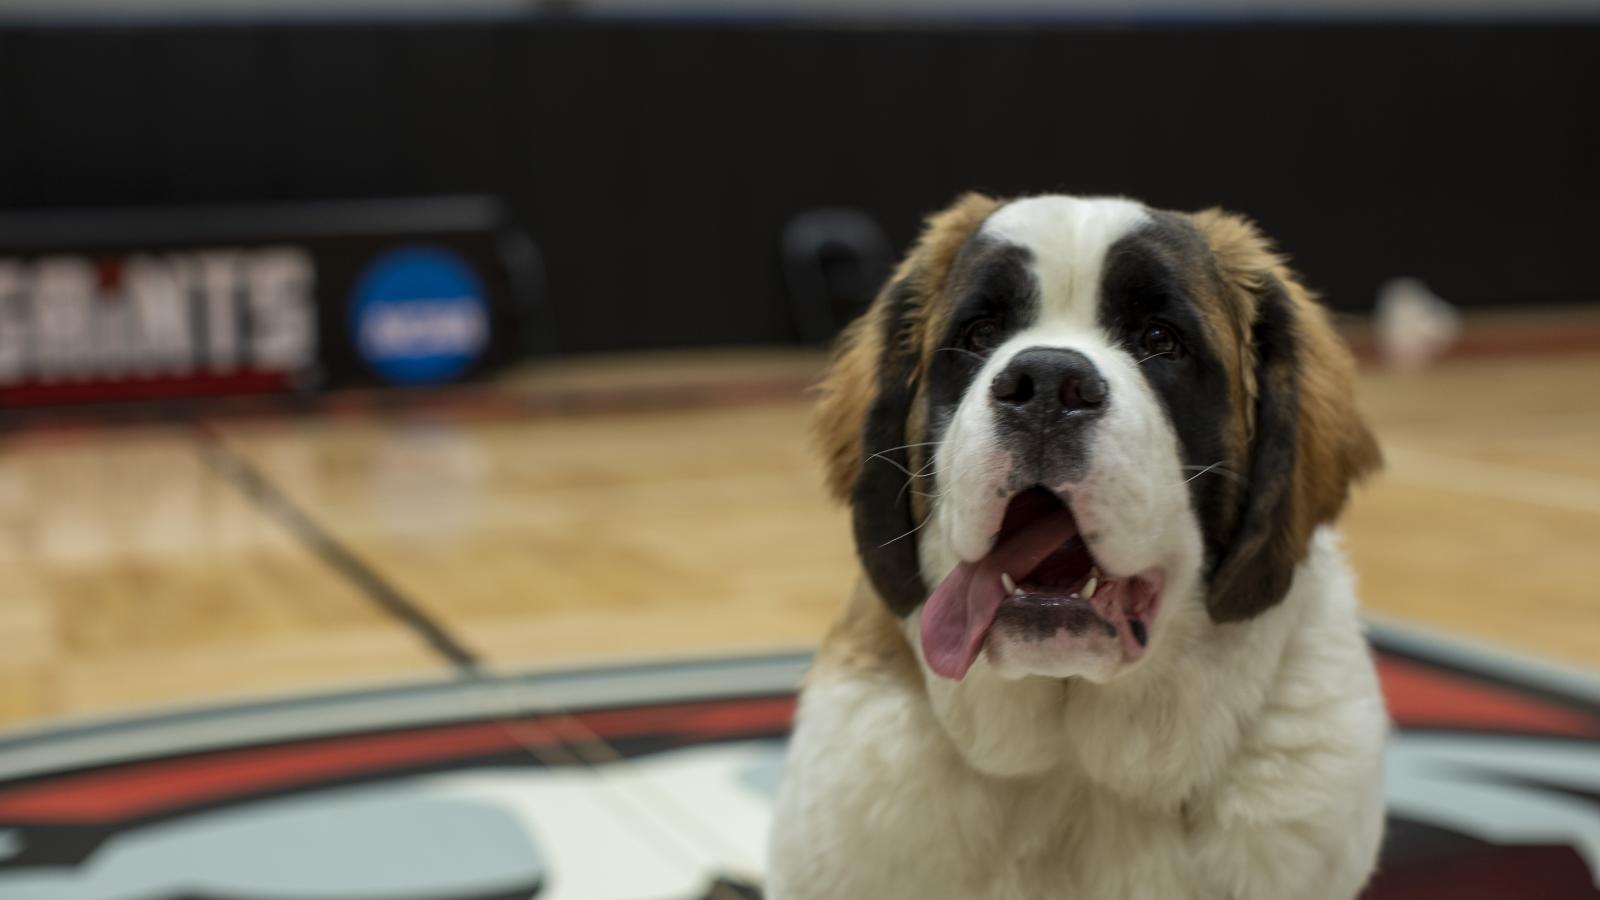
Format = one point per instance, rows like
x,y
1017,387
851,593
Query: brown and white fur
x,y
1239,753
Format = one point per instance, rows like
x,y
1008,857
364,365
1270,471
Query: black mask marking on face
x,y
1148,280
993,283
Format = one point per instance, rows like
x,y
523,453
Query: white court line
x,y
1424,467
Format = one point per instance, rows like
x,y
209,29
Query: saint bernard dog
x,y
1106,644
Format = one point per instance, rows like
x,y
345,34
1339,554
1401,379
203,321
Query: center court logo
x,y
420,315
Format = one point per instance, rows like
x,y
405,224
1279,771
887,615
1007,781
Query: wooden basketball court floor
x,y
654,507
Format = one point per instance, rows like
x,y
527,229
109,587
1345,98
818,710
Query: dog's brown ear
x,y
1307,443
865,409
847,392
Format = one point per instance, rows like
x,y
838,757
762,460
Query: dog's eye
x,y
981,335
1161,340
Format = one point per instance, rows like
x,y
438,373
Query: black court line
x,y
260,490
589,750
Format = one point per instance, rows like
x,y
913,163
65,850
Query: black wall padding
x,y
656,166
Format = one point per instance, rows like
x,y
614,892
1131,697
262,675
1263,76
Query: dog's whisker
x,y
907,487
926,471
903,447
885,459
959,476
1216,467
977,356
929,471
903,488
880,456
925,520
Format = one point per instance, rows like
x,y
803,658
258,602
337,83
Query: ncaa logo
x,y
420,315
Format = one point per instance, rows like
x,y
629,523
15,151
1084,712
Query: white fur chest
x,y
878,804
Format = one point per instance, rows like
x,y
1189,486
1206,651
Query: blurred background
x,y
404,483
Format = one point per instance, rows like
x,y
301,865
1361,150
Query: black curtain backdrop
x,y
656,165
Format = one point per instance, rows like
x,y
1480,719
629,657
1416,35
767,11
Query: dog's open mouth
x,y
1041,562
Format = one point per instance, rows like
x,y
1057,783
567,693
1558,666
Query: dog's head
x,y
1066,421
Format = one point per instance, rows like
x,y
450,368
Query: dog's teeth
x,y
1090,585
1011,586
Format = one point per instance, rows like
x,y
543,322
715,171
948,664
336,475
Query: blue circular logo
x,y
420,315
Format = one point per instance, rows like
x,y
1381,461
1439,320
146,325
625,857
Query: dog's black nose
x,y
1041,385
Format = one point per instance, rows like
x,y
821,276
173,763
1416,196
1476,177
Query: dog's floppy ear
x,y
1307,444
864,413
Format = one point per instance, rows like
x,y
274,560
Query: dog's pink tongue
x,y
958,615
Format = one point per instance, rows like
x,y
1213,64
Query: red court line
x,y
700,721
121,390
148,787
1419,695
144,788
